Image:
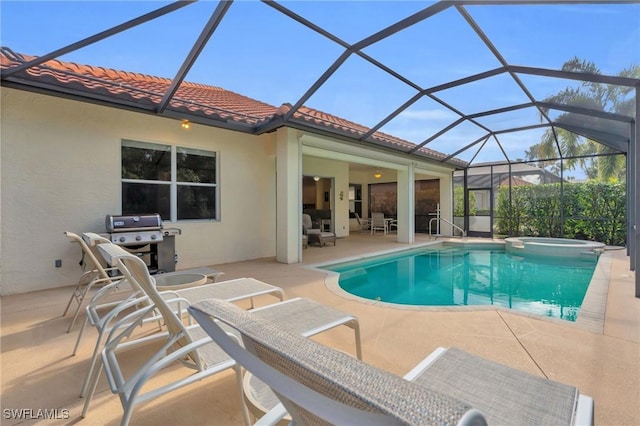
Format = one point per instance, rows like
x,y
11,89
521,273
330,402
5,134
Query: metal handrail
x,y
462,231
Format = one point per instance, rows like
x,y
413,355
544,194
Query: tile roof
x,y
213,102
143,89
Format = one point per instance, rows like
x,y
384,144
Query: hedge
x,y
589,211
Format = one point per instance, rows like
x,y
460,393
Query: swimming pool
x,y
463,276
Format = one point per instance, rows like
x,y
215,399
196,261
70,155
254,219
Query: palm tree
x,y
557,142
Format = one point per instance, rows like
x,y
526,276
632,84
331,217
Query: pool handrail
x,y
462,231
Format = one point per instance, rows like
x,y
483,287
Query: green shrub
x,y
587,211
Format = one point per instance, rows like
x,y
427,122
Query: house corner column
x,y
406,205
288,196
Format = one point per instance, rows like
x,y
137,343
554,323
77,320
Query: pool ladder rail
x,y
440,219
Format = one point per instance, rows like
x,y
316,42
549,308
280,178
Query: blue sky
x,y
258,52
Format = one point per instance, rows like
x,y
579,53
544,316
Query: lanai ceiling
x,y
468,79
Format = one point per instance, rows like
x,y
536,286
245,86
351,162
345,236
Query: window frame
x,y
173,182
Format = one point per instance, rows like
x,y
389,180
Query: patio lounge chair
x,y
315,235
317,384
104,315
168,281
301,316
96,274
115,290
231,290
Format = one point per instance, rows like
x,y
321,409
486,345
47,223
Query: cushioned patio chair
x,y
319,385
301,316
315,235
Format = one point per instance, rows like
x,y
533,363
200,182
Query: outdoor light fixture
x,y
316,178
377,174
185,124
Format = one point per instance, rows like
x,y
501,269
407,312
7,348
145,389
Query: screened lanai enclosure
x,y
533,103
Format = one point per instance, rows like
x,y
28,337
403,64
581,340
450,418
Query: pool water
x,y
458,276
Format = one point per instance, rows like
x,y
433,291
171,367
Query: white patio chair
x,y
364,224
115,290
103,315
378,223
231,290
96,274
302,316
183,344
320,385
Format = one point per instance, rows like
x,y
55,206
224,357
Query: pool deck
x,y
601,355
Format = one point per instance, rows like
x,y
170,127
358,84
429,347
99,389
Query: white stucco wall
x,y
60,171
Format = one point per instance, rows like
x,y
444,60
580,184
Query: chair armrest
x,y
272,417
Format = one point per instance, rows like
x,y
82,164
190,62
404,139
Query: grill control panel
x,y
139,237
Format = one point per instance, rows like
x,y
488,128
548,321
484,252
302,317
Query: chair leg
x,y
92,391
79,296
95,359
83,281
80,333
75,315
245,410
69,302
126,416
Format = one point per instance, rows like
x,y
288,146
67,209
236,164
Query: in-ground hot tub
x,y
557,247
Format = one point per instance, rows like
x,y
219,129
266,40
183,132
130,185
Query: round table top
x,y
178,281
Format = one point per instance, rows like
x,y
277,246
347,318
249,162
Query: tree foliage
x,y
458,202
557,142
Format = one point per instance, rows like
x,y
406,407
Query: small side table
x,y
179,281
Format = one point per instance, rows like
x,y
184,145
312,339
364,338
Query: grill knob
x,y
153,237
122,239
138,237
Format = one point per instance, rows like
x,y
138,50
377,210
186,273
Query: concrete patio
x,y
38,371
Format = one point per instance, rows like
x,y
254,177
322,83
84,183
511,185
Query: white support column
x,y
406,205
288,197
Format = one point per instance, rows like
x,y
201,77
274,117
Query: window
x,y
178,183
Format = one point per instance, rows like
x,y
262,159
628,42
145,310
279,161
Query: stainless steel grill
x,y
144,235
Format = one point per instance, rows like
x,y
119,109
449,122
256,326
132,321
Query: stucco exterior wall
x,y
60,171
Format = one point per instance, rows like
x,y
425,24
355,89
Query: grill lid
x,y
128,223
